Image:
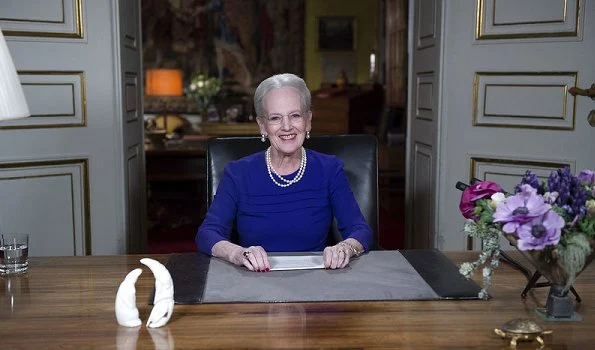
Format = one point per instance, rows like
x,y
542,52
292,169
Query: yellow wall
x,y
364,12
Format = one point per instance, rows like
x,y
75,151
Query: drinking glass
x,y
14,253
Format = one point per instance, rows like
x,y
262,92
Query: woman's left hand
x,y
336,256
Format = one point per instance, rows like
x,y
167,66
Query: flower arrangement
x,y
551,222
203,89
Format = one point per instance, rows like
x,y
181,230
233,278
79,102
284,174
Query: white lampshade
x,y
12,99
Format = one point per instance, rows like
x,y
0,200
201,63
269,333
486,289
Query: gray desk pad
x,y
378,275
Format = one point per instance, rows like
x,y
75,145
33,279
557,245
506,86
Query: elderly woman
x,y
283,199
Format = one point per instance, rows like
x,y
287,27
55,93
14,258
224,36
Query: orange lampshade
x,y
163,82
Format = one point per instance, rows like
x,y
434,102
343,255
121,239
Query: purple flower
x,y
572,194
530,179
520,209
540,232
587,177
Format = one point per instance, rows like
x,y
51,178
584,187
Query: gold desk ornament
x,y
522,329
342,80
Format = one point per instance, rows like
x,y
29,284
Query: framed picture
x,y
336,33
234,112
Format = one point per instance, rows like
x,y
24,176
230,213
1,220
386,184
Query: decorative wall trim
x,y
56,99
38,22
422,184
133,188
514,20
534,100
72,168
132,97
424,83
131,27
426,36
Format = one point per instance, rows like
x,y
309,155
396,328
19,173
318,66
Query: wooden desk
x,y
68,302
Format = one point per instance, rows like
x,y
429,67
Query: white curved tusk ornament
x,y
164,294
126,311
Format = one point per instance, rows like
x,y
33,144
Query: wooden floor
x,y
68,302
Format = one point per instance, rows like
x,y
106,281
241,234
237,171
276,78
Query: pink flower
x,y
474,193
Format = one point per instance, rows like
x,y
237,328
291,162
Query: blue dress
x,y
283,219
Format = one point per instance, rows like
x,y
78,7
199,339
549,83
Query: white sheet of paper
x,y
296,262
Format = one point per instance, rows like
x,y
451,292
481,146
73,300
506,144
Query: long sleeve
x,y
219,219
350,221
283,219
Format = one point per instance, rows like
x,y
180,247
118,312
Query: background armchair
x,y
358,152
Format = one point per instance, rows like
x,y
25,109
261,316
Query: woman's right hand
x,y
255,258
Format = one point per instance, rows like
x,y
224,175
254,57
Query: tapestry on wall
x,y
241,41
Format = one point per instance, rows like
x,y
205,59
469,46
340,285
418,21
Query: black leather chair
x,y
358,152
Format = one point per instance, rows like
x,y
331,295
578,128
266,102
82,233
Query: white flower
x,y
487,272
203,89
497,198
550,197
466,269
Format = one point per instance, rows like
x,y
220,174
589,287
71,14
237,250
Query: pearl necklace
x,y
286,183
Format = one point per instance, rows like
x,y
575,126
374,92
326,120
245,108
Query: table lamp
x,y
12,99
163,84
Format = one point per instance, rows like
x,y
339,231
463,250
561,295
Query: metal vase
x,y
559,305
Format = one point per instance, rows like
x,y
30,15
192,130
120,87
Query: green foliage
x,y
481,230
203,90
489,256
562,212
484,211
587,225
572,251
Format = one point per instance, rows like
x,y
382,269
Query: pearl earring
x,y
263,137
307,134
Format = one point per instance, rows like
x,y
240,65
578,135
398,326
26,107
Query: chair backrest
x,y
359,154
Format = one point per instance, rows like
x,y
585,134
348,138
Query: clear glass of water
x,y
14,253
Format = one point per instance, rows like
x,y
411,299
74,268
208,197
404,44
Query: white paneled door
x,y
71,175
504,101
132,124
425,18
